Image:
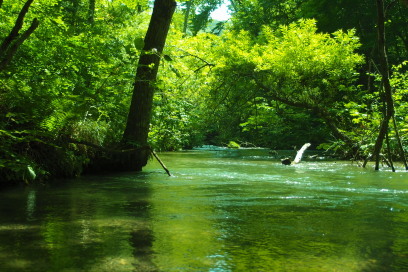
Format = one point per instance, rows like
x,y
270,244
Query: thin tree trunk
x,y
1,3
187,16
391,164
401,148
138,122
91,11
389,111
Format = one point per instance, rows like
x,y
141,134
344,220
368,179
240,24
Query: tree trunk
x,y
389,156
187,15
91,11
138,122
389,110
401,148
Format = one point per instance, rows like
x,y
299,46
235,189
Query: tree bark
x,y
138,122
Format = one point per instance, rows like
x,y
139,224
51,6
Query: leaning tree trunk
x,y
389,103
14,39
138,122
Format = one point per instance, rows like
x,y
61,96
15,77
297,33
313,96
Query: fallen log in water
x,y
298,158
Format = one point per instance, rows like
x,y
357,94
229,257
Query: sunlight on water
x,y
222,210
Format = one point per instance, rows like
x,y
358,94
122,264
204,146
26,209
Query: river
x,y
221,210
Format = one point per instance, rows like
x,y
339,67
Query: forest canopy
x,y
276,74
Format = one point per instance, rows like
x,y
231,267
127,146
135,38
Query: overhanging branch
x,y
17,27
11,50
322,112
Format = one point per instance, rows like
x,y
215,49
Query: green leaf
x,y
167,58
139,43
175,71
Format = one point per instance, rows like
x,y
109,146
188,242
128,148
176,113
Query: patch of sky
x,y
222,13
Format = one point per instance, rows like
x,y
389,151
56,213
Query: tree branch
x,y
11,50
197,57
323,113
17,27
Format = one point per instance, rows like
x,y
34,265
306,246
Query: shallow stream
x,y
222,210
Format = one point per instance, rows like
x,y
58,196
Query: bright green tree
x,y
294,65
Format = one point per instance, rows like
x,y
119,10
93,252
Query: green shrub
x,y
233,144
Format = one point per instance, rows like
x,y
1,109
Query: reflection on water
x,y
223,210
30,204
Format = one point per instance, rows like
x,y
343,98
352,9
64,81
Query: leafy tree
x,y
179,102
294,65
197,14
361,15
66,82
399,83
252,15
388,100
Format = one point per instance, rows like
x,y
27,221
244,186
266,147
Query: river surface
x,y
222,210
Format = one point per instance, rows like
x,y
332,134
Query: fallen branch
x,y
161,163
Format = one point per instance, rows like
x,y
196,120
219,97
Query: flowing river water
x,y
222,210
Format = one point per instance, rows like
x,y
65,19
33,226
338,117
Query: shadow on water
x,y
89,224
222,210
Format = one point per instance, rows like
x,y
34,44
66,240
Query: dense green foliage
x,y
69,80
272,77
